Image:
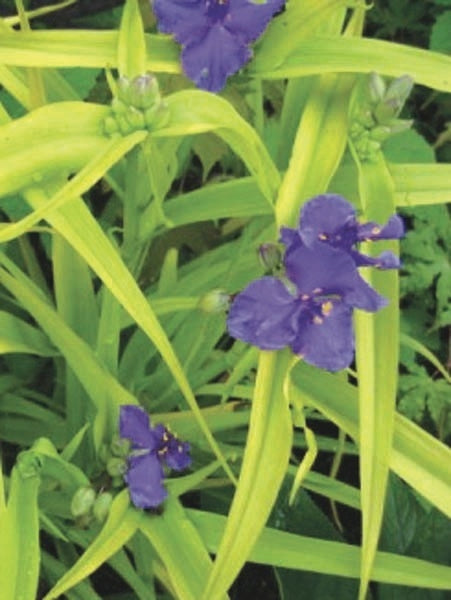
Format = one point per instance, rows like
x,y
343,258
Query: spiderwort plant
x,y
311,310
215,34
152,449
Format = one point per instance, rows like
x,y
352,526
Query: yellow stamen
x,y
317,320
326,308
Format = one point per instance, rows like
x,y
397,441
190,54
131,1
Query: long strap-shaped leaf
x,y
19,526
118,529
317,55
181,550
360,55
377,347
417,457
291,551
265,462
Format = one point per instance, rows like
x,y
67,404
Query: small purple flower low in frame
x,y
310,309
152,448
215,34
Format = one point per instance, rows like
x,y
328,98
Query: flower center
x,y
217,10
319,304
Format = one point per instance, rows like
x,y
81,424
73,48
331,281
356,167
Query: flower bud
x,y
157,115
116,467
120,447
380,133
82,501
215,301
376,87
141,92
101,506
270,256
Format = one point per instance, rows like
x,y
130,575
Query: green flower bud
x,y
376,87
141,92
396,95
101,506
118,106
157,116
215,301
82,501
135,118
144,91
270,256
120,447
399,125
380,133
116,467
110,125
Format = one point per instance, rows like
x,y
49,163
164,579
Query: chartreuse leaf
x,y
111,153
82,48
267,450
55,569
418,184
54,139
320,140
121,524
18,336
15,85
299,21
325,54
325,113
417,457
181,549
19,524
291,551
195,111
131,47
77,306
415,184
377,348
2,492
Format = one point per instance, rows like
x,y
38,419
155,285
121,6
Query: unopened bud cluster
x,y
137,105
87,505
374,113
90,505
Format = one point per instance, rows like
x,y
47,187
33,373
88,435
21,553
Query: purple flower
x,y
331,219
215,34
311,311
151,448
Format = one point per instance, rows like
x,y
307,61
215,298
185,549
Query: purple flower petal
x,y
145,481
249,19
328,342
134,425
363,296
177,456
393,230
209,60
326,216
186,19
289,237
385,260
264,314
